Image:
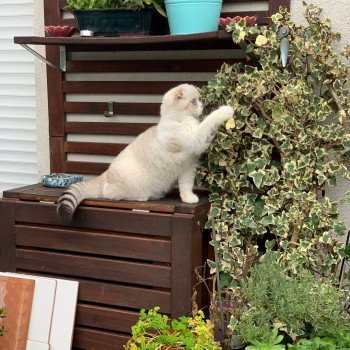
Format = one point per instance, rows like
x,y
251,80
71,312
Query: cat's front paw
x,y
189,197
225,112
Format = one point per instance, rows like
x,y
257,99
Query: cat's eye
x,y
194,102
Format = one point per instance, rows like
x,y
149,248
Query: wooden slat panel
x,y
91,339
205,65
118,107
131,129
97,218
100,243
89,267
88,168
105,318
123,296
181,279
7,237
111,149
123,87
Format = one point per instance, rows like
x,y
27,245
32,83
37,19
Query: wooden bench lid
x,y
171,204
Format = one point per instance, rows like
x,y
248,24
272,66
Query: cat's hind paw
x,y
189,197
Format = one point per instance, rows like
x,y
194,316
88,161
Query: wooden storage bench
x,y
126,256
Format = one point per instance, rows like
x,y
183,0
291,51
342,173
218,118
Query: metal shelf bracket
x,y
63,57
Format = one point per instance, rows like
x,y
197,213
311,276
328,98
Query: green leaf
x,y
257,177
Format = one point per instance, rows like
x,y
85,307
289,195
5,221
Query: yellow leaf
x,y
230,124
242,35
222,162
260,40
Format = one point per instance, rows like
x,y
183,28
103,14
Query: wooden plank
x,y
157,224
7,237
131,129
125,40
89,168
51,13
101,243
111,149
98,268
181,276
106,318
57,155
114,294
123,296
92,339
13,193
118,108
205,65
124,87
170,204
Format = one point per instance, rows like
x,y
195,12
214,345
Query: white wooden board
x,y
64,315
53,313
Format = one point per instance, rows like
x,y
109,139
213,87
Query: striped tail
x,y
75,194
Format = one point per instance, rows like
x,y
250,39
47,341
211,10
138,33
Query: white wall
x,y
17,98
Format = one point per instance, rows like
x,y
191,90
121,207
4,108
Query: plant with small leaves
x,y
115,4
155,331
293,303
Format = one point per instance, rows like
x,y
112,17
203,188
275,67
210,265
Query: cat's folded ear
x,y
178,95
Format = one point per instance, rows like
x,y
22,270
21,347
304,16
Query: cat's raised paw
x,y
226,112
189,197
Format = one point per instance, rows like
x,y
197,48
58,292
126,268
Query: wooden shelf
x,y
211,40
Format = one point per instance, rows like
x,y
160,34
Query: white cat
x,y
158,158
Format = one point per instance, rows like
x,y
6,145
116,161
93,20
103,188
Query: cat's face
x,y
183,99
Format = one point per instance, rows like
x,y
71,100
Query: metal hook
x,y
110,112
284,46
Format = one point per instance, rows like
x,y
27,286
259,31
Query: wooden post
x,y
181,269
7,237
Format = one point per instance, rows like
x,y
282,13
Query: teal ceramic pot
x,y
193,16
114,22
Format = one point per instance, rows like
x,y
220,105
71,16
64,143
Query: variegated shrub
x,y
289,139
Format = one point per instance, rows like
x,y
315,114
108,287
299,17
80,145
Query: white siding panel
x,y
18,151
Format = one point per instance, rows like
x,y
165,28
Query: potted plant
x,y
155,331
119,17
2,315
195,16
268,166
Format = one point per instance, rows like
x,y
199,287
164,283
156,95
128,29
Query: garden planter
x,y
113,22
193,16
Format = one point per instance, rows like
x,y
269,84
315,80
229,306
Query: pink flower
x,y
250,20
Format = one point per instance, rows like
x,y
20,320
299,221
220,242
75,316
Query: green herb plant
x,y
115,4
273,343
267,168
155,331
300,304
